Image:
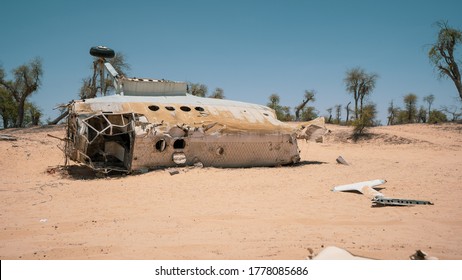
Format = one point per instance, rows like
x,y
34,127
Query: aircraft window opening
x,y
220,151
185,108
153,107
266,114
170,108
179,144
161,145
200,109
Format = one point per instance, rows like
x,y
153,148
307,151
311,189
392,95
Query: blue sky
x,y
251,49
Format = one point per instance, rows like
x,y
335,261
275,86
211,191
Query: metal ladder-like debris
x,y
377,198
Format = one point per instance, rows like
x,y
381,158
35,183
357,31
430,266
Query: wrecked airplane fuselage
x,y
156,123
126,133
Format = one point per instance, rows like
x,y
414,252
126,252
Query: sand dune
x,y
253,213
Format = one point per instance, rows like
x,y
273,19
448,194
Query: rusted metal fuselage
x,y
157,124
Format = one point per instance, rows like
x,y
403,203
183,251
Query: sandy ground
x,y
253,213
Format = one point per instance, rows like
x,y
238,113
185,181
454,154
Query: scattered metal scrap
x,y
336,253
341,160
313,131
6,137
421,255
377,198
399,201
173,172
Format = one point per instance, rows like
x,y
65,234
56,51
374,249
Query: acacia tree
x,y
27,80
218,93
437,116
353,81
347,109
441,54
360,84
197,89
309,96
308,113
452,110
366,120
367,86
32,114
329,110
8,109
393,113
338,113
429,99
286,116
422,115
274,100
282,112
410,101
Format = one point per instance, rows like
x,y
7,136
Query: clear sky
x,y
251,49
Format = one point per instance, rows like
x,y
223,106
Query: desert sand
x,y
284,212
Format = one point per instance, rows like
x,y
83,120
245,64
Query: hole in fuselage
x,y
179,144
161,145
